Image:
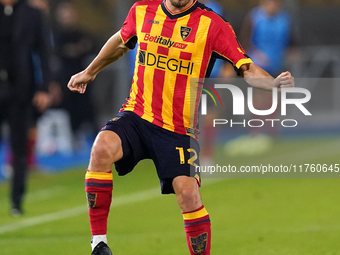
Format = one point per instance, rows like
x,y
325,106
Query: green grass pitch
x,y
249,216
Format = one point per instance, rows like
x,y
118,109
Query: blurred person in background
x,y
23,34
72,48
219,63
41,4
265,35
208,132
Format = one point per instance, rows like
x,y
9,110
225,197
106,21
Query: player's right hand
x,y
79,81
284,80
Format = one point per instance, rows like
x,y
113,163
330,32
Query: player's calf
x,y
98,185
198,231
196,218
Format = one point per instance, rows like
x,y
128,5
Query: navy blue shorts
x,y
173,154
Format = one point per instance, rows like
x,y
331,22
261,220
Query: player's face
x,y
180,3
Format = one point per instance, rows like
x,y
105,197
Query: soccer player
x,y
177,40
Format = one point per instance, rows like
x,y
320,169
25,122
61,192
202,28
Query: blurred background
x,y
78,29
306,33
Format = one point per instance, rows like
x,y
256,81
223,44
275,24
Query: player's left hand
x,y
284,80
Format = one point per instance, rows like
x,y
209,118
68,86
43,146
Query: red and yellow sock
x,y
198,231
98,187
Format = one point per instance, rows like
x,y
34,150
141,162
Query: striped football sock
x,y
98,187
198,231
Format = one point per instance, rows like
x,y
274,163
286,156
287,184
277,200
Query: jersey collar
x,y
177,15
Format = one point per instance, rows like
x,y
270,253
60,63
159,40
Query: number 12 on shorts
x,y
191,160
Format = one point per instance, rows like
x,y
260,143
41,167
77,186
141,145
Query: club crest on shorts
x,y
199,243
185,32
91,199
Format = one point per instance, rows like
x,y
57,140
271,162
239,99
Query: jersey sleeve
x,y
128,31
226,45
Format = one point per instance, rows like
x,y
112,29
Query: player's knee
x,y
100,153
189,195
189,200
105,152
187,192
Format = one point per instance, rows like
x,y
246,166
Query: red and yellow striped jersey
x,y
172,48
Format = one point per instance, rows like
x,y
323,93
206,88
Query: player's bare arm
x,y
251,71
111,51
